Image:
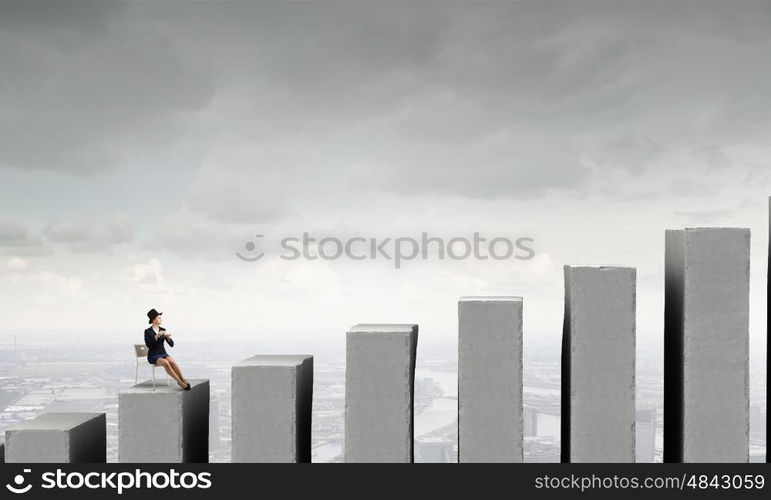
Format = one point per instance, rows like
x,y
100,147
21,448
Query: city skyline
x,y
52,376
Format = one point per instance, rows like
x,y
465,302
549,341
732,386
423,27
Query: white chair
x,y
141,352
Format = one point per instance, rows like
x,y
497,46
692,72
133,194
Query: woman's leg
x,y
175,367
167,366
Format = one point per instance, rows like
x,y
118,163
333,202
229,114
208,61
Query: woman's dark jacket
x,y
155,346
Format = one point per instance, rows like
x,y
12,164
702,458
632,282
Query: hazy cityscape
x,y
85,373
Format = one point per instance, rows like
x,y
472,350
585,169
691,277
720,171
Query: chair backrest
x,y
140,350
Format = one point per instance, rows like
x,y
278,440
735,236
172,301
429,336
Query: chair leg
x,y
136,372
153,377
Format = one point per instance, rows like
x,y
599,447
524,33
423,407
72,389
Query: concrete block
x,y
706,345
598,365
165,425
272,398
379,392
490,423
58,437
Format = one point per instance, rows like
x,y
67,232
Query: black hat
x,y
152,313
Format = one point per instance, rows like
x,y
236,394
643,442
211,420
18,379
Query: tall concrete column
x,y
706,345
598,365
58,437
167,424
271,409
379,392
490,379
768,336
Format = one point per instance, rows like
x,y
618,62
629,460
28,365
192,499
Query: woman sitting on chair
x,y
155,336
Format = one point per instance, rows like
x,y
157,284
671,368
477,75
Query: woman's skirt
x,y
154,357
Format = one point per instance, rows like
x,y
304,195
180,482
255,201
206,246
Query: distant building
x,y
530,417
757,454
645,431
214,424
757,422
541,449
434,451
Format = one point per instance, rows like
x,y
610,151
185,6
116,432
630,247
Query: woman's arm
x,y
162,331
150,339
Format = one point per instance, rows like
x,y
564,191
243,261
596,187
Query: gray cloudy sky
x,y
142,143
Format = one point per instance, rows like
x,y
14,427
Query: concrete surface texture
x,y
58,437
165,425
598,364
379,392
490,379
271,405
706,345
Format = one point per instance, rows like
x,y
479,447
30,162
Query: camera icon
x,y
250,246
18,483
